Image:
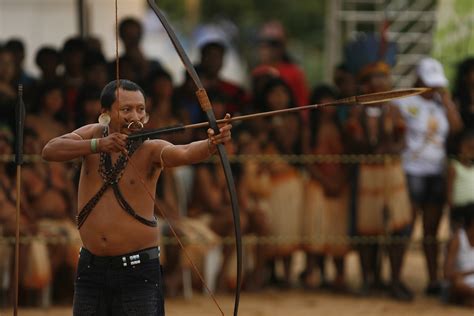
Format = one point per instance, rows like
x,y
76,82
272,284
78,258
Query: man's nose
x,y
134,116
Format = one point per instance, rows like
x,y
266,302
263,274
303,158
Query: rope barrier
x,y
266,240
253,240
301,159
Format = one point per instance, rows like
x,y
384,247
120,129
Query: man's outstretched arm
x,y
173,156
80,143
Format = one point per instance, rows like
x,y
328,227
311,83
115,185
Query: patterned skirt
x,y
285,213
383,204
326,221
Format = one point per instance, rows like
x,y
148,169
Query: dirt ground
x,y
295,303
302,303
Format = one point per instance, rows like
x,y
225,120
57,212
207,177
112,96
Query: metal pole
x,y
80,9
332,38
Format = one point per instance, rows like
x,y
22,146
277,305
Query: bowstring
x,y
117,62
162,213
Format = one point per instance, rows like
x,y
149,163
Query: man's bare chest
x,y
130,173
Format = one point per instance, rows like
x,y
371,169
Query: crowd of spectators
x,y
319,208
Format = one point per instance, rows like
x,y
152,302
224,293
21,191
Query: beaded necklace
x,y
111,175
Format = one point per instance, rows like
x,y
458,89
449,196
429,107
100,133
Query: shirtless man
x,y
119,270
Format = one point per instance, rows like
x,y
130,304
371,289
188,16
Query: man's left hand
x,y
224,136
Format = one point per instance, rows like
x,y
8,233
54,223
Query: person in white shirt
x,y
430,118
459,264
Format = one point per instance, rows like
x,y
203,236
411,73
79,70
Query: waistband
x,y
126,260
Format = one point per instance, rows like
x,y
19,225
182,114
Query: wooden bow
x,y
207,108
150,194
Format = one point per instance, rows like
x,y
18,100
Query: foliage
x,y
454,36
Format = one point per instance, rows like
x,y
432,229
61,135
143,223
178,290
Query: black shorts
x,y
427,189
459,214
121,285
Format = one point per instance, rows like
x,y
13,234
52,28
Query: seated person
x,y
459,265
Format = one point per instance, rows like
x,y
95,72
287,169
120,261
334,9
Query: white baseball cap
x,y
431,72
210,34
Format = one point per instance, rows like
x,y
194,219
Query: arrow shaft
x,y
362,99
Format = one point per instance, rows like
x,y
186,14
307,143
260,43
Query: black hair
x,y
126,22
107,96
270,85
42,91
74,44
87,93
159,73
155,75
214,44
94,58
318,94
15,45
322,91
465,135
461,90
217,96
45,51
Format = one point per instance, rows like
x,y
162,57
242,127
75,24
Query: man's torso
x,y
109,230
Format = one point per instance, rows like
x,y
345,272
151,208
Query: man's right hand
x,y
113,143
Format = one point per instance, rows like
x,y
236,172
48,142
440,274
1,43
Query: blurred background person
x,y
327,195
8,91
213,46
282,135
88,106
162,106
460,180
95,69
459,263
464,91
272,51
131,35
50,194
72,56
211,206
17,48
48,118
35,273
260,76
346,86
254,188
382,202
429,118
48,60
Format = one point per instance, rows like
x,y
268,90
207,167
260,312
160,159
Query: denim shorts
x,y
427,189
107,287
